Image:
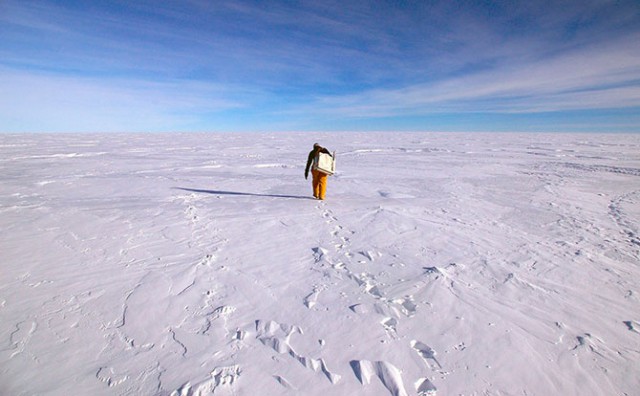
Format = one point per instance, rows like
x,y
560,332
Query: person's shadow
x,y
219,192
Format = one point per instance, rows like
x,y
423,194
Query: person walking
x,y
319,179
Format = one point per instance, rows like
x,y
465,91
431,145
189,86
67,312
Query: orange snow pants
x,y
319,184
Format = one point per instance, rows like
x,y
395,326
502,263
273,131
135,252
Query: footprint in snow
x,y
319,253
389,325
407,306
425,352
312,298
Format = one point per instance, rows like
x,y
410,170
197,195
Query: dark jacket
x,y
312,157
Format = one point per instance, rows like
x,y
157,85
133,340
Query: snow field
x,y
439,264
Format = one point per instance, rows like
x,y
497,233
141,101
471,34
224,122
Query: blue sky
x,y
196,65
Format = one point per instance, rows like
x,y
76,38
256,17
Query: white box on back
x,y
325,163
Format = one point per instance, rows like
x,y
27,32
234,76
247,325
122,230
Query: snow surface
x,y
195,264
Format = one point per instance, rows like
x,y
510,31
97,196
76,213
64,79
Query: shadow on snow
x,y
217,192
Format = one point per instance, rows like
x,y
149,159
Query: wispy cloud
x,y
598,75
